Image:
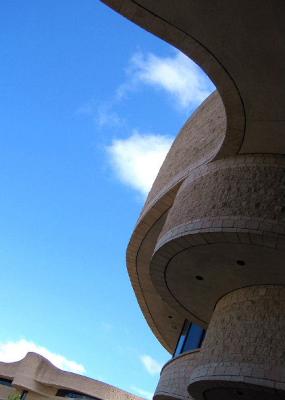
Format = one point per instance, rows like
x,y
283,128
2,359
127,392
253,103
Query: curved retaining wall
x,y
244,349
238,188
174,377
198,142
224,213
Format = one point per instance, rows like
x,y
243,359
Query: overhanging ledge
x,y
159,18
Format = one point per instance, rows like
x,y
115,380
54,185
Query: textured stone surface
x,y
229,206
174,377
198,142
41,379
240,392
248,326
244,350
232,188
153,301
248,72
224,202
234,46
245,341
227,211
243,353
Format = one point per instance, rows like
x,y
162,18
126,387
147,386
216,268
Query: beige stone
x,y
209,245
40,379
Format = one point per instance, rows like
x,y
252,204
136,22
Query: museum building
x,y
207,255
36,378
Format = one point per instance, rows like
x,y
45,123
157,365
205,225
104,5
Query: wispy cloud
x,y
14,351
102,113
107,117
136,160
151,365
141,392
178,75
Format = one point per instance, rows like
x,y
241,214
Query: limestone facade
x,y
245,343
35,378
209,245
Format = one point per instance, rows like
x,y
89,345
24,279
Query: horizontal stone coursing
x,y
232,188
245,341
174,377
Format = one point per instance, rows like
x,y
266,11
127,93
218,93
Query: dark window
x,y
24,395
74,395
5,382
191,338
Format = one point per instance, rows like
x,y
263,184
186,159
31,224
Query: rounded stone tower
x,y
207,256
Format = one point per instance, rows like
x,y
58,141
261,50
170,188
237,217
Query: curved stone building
x,y
36,378
207,256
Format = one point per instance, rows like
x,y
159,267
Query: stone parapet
x,y
174,377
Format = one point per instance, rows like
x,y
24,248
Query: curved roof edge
x,y
166,322
37,374
168,31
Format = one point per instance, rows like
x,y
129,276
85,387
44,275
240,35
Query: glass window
x,y
5,382
191,338
182,337
74,395
194,338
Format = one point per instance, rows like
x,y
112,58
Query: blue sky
x,y
90,104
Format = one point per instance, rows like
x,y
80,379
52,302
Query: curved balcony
x,y
174,377
198,142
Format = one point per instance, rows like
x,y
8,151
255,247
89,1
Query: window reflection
x,y
191,338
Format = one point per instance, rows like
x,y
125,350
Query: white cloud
x,y
137,159
151,365
177,75
141,392
14,351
